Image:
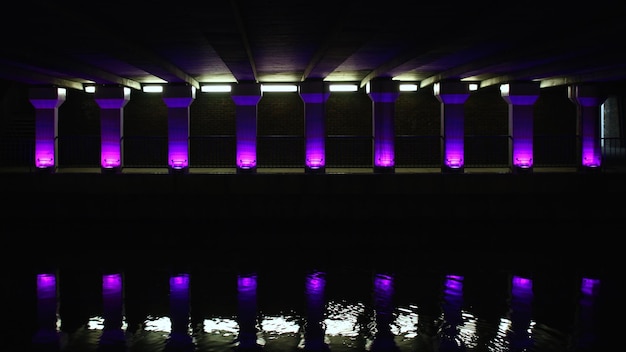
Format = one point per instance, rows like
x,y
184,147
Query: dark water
x,y
157,301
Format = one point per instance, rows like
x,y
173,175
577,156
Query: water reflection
x,y
445,312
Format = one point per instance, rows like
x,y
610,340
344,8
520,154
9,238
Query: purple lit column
x,y
180,316
247,312
521,98
246,97
113,309
178,98
588,100
314,94
314,331
47,310
452,96
46,101
383,93
111,100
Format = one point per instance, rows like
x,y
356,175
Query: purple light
x,y
110,134
46,102
314,329
383,94
178,138
178,99
589,287
246,124
111,100
452,96
589,100
47,309
113,303
179,310
521,285
314,94
247,310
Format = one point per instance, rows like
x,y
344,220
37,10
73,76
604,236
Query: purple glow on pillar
x,y
178,138
246,136
46,102
111,101
110,134
384,133
521,124
247,310
315,131
454,136
591,149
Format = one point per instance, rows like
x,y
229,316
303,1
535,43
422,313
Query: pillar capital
x,y
246,93
46,97
112,97
314,92
451,92
520,93
383,90
586,95
178,96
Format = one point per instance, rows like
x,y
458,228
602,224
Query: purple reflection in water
x,y
521,313
452,304
179,310
314,329
113,309
247,311
384,309
47,310
585,336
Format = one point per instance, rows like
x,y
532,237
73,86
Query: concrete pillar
x,y
588,99
383,92
46,101
521,97
246,96
314,94
452,95
178,98
111,100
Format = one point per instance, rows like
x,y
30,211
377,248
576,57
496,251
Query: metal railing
x,y
287,151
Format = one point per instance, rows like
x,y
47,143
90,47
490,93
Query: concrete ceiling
x,y
193,42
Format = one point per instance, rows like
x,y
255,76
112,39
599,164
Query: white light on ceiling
x,y
343,87
407,87
152,88
279,88
215,88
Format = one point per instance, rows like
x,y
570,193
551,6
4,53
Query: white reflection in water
x,y
342,319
